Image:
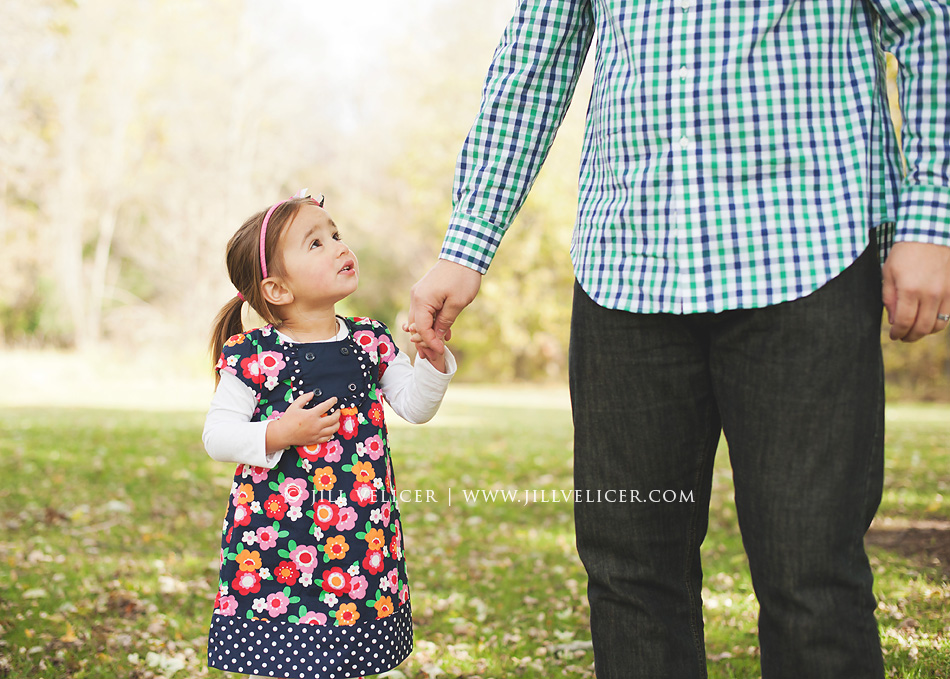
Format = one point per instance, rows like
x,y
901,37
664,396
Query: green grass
x,y
109,540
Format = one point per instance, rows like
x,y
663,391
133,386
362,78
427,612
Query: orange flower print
x,y
336,547
244,494
384,606
364,472
234,340
249,561
347,614
375,539
324,478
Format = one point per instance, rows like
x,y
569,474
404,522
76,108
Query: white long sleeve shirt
x,y
413,391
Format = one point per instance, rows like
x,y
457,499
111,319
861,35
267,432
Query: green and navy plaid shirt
x,y
736,152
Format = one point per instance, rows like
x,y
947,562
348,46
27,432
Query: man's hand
x,y
437,300
916,289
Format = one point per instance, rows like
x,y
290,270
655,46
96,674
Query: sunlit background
x,y
136,136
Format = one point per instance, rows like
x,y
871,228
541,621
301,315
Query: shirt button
x,y
684,142
345,351
684,4
351,387
309,356
684,72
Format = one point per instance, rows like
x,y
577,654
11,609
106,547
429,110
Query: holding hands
x,y
435,302
302,426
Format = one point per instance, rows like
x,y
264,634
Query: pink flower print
x,y
358,587
266,537
390,583
294,491
227,605
373,446
277,604
386,348
312,618
271,362
346,519
332,451
305,557
386,513
257,474
404,594
366,339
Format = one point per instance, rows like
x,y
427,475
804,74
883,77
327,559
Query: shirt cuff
x,y
471,242
924,215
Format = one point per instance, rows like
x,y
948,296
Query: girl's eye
x,y
336,236
315,244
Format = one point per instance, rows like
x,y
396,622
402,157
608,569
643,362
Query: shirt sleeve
x,y
917,33
229,434
415,392
529,86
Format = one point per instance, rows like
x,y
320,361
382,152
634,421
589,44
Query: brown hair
x,y
244,269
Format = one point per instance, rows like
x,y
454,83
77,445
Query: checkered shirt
x,y
735,153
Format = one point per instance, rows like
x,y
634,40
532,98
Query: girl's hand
x,y
299,426
423,350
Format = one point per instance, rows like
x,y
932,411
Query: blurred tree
x,y
136,137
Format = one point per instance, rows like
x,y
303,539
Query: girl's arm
x,y
415,391
229,435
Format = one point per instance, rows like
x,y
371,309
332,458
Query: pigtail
x,y
226,324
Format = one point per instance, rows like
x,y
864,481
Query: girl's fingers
x,y
301,401
322,408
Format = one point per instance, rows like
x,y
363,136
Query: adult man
x,y
739,175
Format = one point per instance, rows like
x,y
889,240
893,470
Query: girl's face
x,y
319,268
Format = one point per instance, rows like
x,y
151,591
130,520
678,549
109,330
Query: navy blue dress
x,y
313,583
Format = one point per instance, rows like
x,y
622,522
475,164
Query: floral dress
x,y
312,579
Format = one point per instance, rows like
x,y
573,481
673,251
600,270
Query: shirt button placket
x,y
680,76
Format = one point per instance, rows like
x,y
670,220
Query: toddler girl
x,y
312,579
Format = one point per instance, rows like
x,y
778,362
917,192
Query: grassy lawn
x,y
110,525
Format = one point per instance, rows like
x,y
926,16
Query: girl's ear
x,y
276,292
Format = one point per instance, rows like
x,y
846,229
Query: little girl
x,y
312,581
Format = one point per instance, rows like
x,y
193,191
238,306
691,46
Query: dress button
x,y
309,356
352,387
345,351
318,392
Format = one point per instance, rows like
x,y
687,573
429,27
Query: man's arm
x,y
917,271
529,86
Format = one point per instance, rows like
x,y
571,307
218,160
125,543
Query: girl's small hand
x,y
424,351
301,426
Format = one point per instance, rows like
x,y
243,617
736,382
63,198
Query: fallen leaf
x,y
70,636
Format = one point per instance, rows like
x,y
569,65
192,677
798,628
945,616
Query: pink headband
x,y
302,193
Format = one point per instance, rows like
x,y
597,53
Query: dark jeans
x,y
798,390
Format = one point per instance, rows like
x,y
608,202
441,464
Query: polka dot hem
x,y
295,651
